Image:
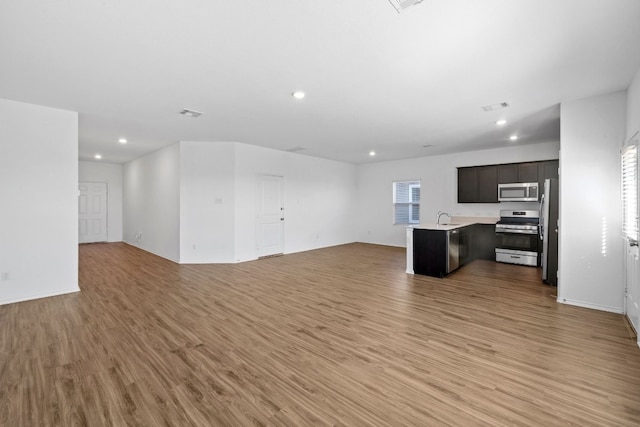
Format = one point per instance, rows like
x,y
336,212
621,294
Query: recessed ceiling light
x,y
298,94
513,137
372,153
97,156
122,140
501,122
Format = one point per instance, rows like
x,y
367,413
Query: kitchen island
x,y
439,249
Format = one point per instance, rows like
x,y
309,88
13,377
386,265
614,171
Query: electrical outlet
x,y
4,275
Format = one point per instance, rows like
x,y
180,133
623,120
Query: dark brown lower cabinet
x,y
485,241
476,241
430,252
466,247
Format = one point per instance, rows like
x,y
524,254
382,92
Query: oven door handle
x,y
516,231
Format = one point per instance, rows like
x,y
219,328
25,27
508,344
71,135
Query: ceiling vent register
x,y
401,5
190,113
494,107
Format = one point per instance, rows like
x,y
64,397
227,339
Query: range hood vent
x,y
401,5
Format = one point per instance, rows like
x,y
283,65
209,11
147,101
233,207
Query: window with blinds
x,y
406,202
630,191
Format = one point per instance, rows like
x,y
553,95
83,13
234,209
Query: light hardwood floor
x,y
337,336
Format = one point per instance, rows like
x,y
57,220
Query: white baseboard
x,y
38,296
618,310
152,252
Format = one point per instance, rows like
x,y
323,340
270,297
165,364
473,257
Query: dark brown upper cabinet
x,y
487,190
548,169
528,172
467,185
518,172
479,184
507,173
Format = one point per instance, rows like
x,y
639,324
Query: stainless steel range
x,y
517,237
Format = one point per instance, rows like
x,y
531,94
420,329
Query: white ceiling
x,y
375,79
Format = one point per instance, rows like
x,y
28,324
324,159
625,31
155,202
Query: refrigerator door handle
x,y
541,220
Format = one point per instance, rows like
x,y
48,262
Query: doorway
x,y
270,215
92,212
632,287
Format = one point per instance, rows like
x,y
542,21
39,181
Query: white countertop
x,y
475,219
456,222
434,226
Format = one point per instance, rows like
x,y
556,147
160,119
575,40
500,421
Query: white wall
x,y
438,190
39,196
591,250
152,202
111,174
203,195
207,202
633,107
319,198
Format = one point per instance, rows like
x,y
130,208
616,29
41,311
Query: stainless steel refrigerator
x,y
549,231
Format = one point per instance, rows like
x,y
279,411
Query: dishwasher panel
x,y
453,246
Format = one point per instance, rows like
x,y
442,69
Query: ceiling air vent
x,y
190,113
401,5
495,106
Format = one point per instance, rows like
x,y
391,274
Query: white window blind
x,y
406,202
630,192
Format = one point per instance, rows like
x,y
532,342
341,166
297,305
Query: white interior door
x,y
632,291
92,212
270,215
630,231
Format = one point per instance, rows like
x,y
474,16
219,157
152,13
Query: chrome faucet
x,y
440,213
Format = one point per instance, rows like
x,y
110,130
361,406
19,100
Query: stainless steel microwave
x,y
518,192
